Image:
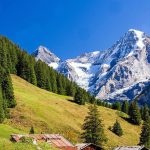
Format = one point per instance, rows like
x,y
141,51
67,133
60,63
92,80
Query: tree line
x,y
14,60
7,99
93,128
135,112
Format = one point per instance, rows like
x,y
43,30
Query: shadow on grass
x,y
70,100
126,119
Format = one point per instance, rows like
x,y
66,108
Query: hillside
x,y
52,113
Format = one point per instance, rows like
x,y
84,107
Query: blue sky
x,y
71,27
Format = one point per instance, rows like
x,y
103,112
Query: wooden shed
x,y
55,140
88,146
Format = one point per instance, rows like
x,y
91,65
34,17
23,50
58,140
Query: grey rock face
x,y
144,96
43,54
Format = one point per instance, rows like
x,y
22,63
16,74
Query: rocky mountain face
x,y
46,56
144,97
119,73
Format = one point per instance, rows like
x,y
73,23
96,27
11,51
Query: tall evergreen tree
x,y
93,128
64,83
12,55
3,53
53,81
2,113
32,77
141,111
48,85
79,97
9,64
145,134
145,114
23,66
117,129
71,89
40,74
116,106
125,107
92,99
7,89
134,113
5,108
60,88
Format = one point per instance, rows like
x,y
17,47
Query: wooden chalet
x,y
55,140
88,146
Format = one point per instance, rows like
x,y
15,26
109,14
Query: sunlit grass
x,y
52,113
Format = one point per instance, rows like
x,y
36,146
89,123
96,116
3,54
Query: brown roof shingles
x,y
56,140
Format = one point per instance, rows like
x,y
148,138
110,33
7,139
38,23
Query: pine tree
x,y
48,85
3,54
32,77
2,113
145,134
116,106
125,107
7,89
32,130
145,114
9,64
79,97
5,108
53,81
64,84
70,89
41,75
60,88
12,52
23,69
117,129
92,99
93,128
142,111
134,113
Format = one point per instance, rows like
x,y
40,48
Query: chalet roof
x,y
130,148
54,139
84,145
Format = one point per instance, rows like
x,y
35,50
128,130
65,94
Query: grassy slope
x,y
6,130
52,113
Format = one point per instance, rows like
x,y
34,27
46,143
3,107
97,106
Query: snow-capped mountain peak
x,y
136,31
118,73
44,54
139,36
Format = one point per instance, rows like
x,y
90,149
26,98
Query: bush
x,y
26,140
117,129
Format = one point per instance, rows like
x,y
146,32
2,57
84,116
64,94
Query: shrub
x,y
117,129
26,140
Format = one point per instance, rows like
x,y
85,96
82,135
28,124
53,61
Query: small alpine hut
x,y
88,146
131,148
55,140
